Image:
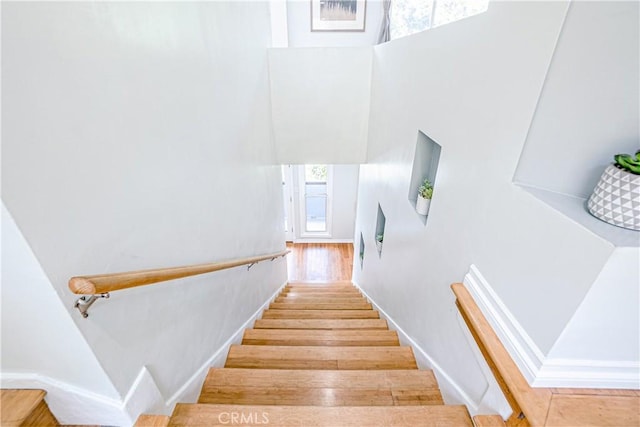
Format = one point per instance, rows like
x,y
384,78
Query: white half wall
x,y
38,333
473,87
601,344
138,135
320,104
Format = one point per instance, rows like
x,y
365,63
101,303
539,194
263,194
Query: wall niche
x,y
425,166
380,224
361,250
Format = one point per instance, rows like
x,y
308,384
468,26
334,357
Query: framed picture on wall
x,y
337,15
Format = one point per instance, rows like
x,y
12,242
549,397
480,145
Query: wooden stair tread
x,y
326,324
319,337
320,388
308,416
24,407
309,357
301,305
320,314
488,421
320,300
152,421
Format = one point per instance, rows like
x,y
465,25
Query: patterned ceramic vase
x,y
616,198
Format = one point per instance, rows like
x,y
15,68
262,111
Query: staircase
x,y
320,356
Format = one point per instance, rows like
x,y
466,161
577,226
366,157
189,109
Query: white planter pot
x,y
422,205
616,198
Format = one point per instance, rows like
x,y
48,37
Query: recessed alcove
x,y
380,224
361,251
425,166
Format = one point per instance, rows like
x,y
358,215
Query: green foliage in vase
x,y
628,162
426,189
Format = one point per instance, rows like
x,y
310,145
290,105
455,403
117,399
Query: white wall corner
x,y
70,404
525,353
74,405
452,392
539,370
279,27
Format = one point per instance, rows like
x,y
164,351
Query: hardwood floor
x,y
319,261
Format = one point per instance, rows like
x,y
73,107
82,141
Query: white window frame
x,y
303,214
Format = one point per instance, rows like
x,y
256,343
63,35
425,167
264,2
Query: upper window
x,y
412,16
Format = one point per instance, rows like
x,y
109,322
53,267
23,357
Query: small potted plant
x,y
616,198
379,238
425,193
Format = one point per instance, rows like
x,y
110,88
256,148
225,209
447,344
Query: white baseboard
x,y
447,385
71,404
74,405
191,388
320,240
576,373
541,371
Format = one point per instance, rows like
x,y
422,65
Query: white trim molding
x,y
539,370
71,404
518,343
317,240
577,373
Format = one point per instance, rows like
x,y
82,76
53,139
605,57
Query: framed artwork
x,y
337,15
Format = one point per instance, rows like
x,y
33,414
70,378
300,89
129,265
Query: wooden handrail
x,y
533,403
102,283
538,406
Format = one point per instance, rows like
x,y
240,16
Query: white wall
x,y
320,104
300,34
38,334
473,87
137,135
589,107
604,329
345,198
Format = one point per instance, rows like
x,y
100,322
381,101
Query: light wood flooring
x,y
319,261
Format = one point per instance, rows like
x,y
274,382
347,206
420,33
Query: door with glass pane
x,y
315,200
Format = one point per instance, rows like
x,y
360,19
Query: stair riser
x,y
319,396
319,306
298,294
304,357
320,338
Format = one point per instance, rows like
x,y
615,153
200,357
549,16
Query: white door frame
x,y
288,192
301,205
